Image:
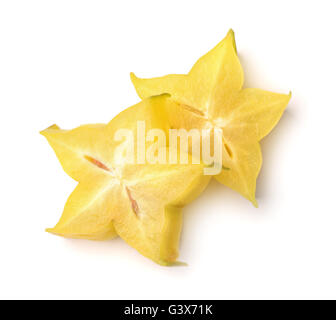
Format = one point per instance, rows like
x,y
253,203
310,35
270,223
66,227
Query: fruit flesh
x,y
211,96
139,202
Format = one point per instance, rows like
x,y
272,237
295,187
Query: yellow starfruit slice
x,y
211,95
140,202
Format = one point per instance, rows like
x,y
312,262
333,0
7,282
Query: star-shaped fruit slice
x,y
211,96
140,202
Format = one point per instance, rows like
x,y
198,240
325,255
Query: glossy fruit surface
x,y
211,96
141,203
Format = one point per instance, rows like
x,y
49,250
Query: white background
x,y
68,62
